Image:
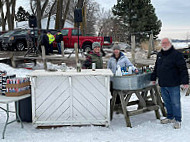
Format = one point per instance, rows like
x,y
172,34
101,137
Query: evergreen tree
x,y
22,15
137,16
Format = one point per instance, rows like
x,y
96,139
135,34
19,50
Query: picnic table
x,y
148,96
7,100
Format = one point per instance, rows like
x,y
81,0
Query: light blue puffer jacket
x,y
123,61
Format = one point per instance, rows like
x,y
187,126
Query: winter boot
x,y
177,125
166,121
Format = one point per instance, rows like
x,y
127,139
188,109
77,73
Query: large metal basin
x,y
132,82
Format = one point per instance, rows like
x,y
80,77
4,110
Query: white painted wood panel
x,y
71,100
52,99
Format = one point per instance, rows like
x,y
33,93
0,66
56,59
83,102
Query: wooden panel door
x,y
89,99
52,99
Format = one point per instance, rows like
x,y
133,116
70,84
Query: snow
x,y
10,70
146,128
179,45
24,24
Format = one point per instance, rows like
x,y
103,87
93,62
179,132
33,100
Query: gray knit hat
x,y
116,47
95,44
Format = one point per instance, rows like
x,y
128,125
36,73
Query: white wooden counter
x,y
71,98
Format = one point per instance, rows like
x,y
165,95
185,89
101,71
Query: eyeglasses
x,y
164,42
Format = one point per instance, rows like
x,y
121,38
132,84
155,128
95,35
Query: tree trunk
x,y
10,5
49,15
80,4
32,8
65,14
3,21
59,14
2,16
13,12
39,16
8,14
44,7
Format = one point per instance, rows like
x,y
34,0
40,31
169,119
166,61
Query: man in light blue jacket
x,y
118,58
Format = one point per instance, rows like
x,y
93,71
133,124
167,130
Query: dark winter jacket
x,y
44,40
59,37
93,58
170,68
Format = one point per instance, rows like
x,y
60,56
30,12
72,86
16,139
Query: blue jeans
x,y
59,47
171,98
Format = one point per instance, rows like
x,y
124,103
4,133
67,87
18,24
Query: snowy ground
x,y
146,128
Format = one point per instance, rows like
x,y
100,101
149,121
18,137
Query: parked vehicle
x,y
6,37
18,40
185,52
70,36
2,32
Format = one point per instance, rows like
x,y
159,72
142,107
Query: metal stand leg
x,y
6,123
7,120
18,116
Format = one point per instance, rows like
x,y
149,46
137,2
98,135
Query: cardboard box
x,y
18,85
14,94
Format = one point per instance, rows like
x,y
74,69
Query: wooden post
x,y
133,48
13,62
62,48
44,57
150,47
76,53
188,91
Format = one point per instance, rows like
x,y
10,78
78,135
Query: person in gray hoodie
x,y
118,58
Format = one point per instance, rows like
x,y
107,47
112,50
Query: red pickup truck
x,y
70,36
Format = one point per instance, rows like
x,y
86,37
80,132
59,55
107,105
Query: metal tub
x,y
132,82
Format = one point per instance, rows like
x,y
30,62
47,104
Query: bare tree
x,y
39,11
104,22
80,3
10,5
33,7
3,17
50,13
91,9
38,7
62,13
65,14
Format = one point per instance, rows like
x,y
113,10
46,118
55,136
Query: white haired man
x,y
171,71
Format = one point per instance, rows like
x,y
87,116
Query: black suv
x,y
7,35
18,40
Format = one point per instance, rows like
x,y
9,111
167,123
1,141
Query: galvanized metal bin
x,y
132,82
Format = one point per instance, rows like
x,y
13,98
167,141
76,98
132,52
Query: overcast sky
x,y
174,14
